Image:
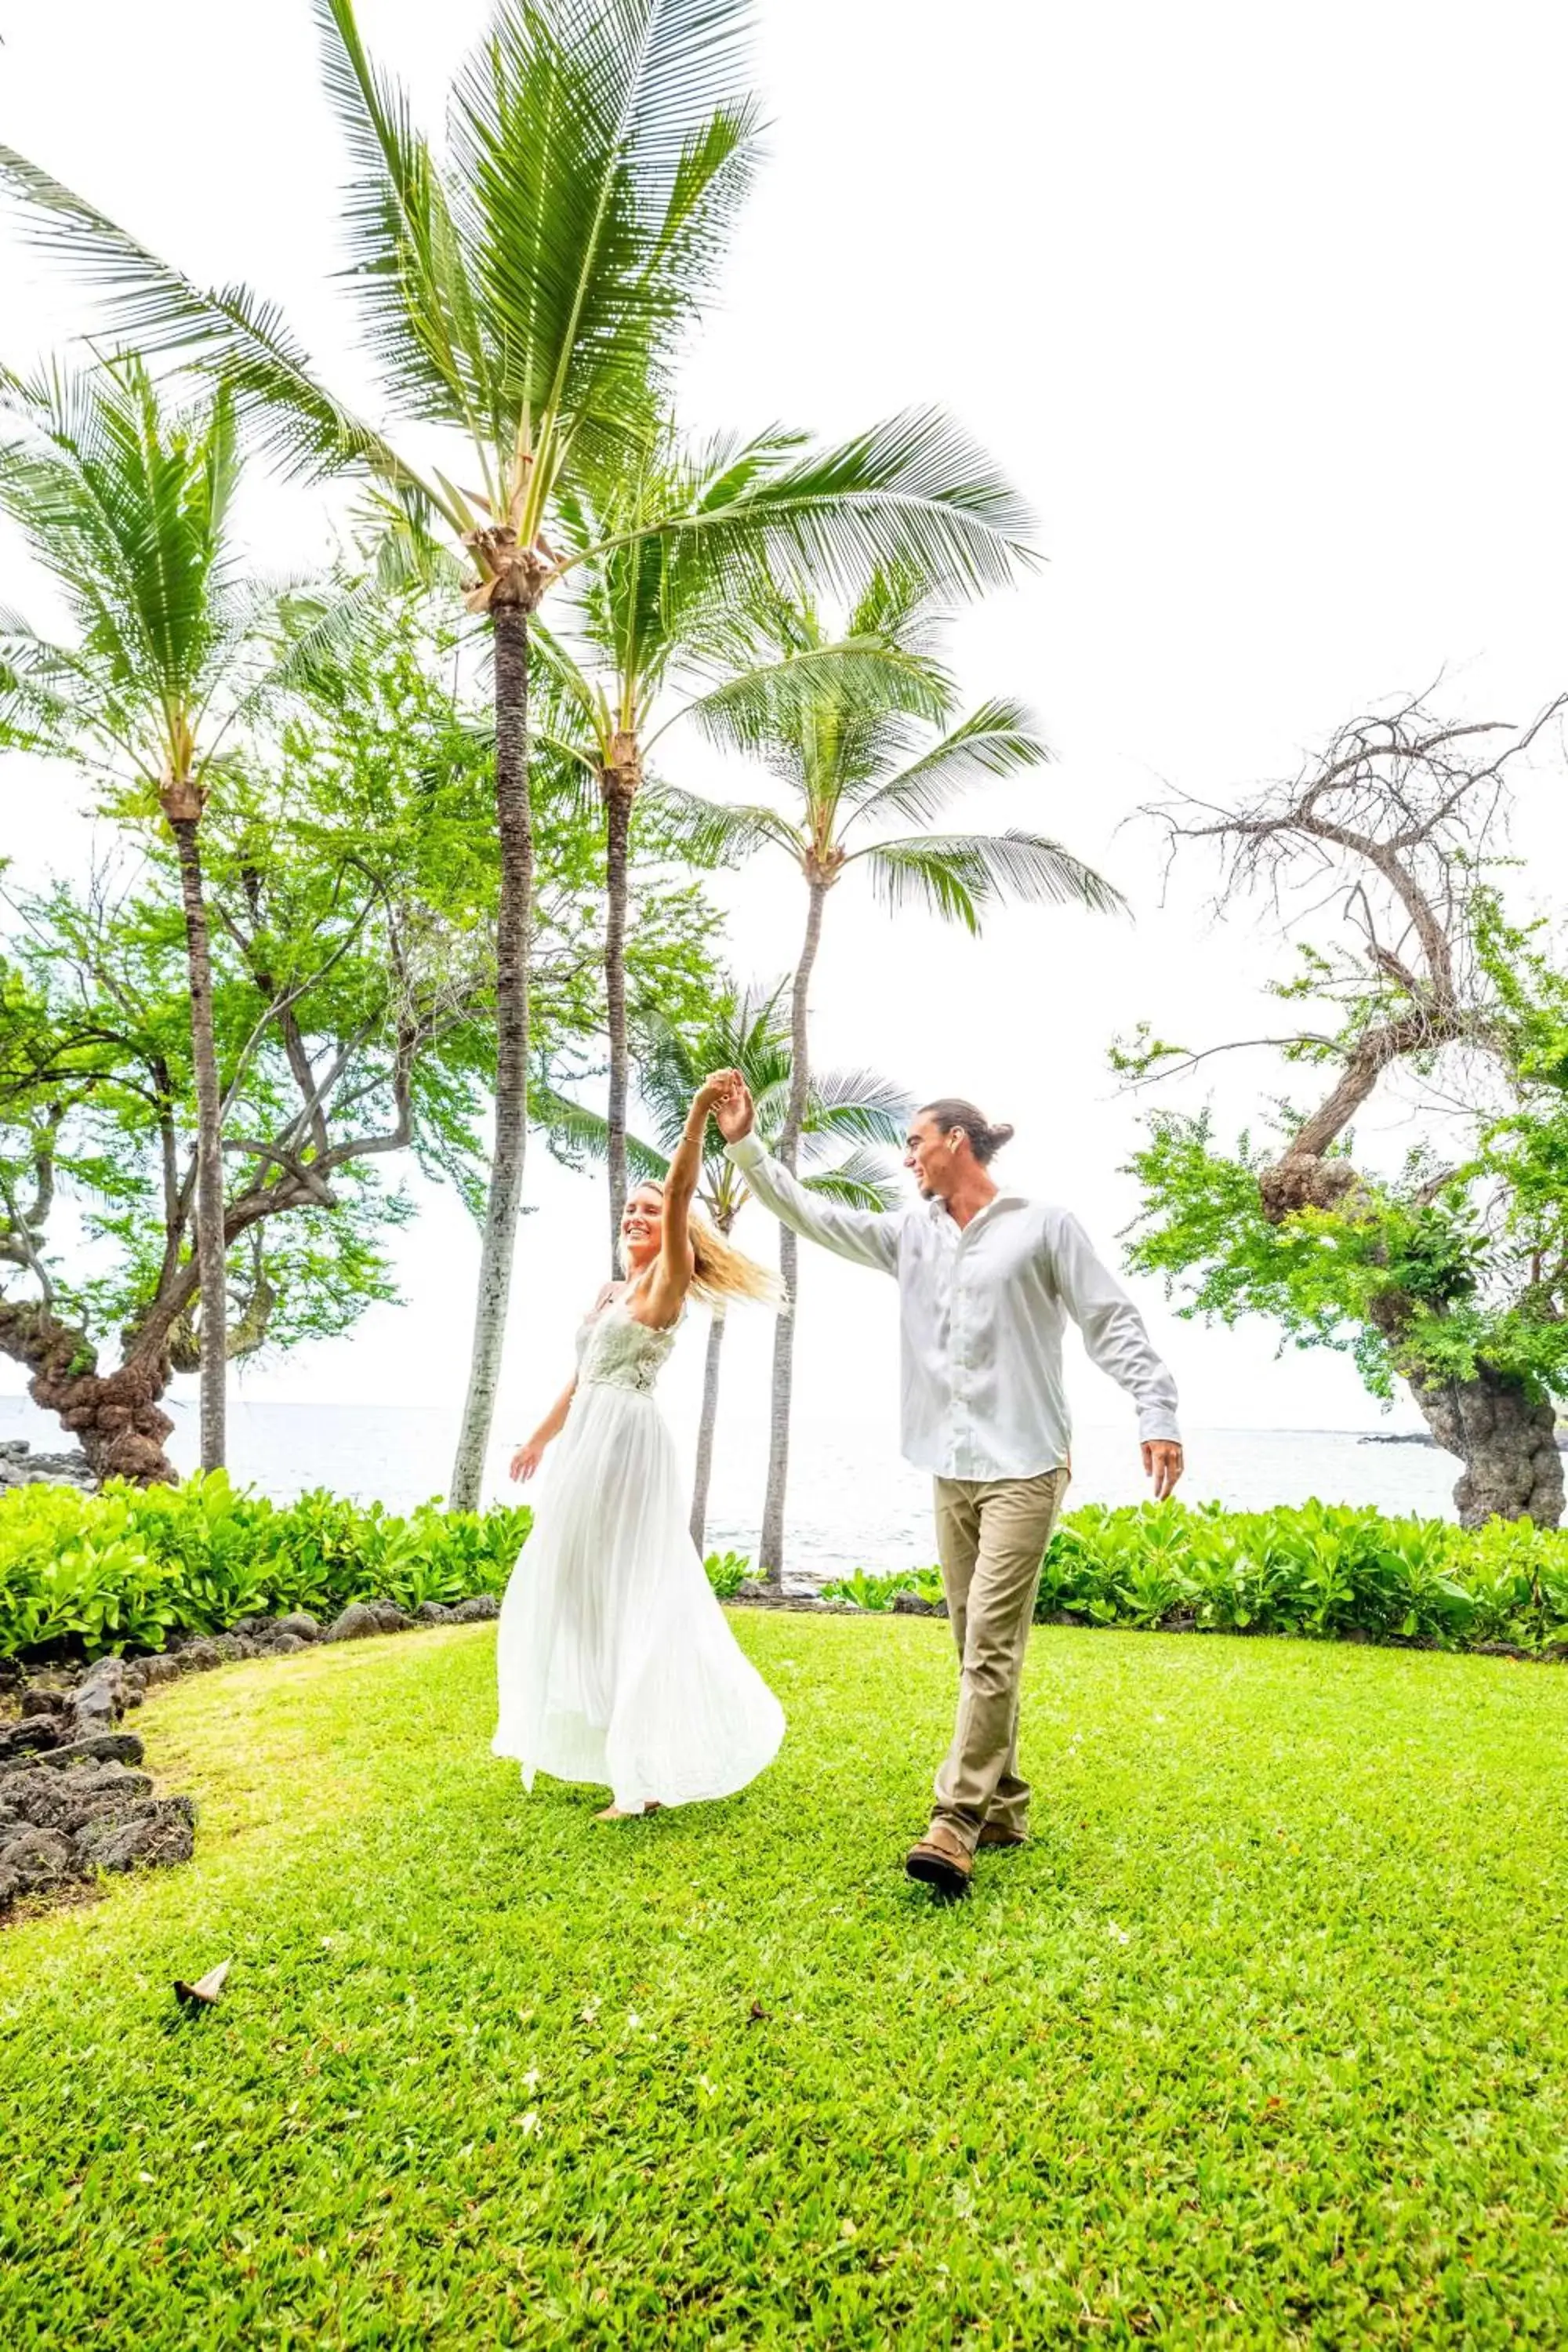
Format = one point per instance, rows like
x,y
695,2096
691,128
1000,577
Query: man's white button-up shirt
x,y
983,1310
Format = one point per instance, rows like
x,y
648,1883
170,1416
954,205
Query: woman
x,y
616,1663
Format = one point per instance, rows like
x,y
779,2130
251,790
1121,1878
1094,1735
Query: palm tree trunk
x,y
770,1560
617,827
210,1253
705,1428
504,1206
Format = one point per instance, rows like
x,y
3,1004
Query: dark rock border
x,y
74,1802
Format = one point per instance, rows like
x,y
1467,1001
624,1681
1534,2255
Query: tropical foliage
x,y
1319,1570
131,1567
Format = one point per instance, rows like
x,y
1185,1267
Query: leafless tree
x,y
1396,822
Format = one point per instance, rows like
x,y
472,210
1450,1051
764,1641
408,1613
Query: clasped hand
x,y
730,1099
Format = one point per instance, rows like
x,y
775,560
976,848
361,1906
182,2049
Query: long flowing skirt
x,y
615,1664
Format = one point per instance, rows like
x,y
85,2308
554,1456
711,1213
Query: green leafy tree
x,y
878,746
128,505
527,291
848,1113
1448,1271
350,880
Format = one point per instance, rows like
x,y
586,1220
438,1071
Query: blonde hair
x,y
722,1271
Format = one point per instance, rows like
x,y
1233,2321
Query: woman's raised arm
x,y
672,1276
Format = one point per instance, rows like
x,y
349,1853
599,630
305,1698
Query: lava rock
x,y
302,1624
162,1667
155,1834
195,1657
66,1801
253,1625
97,1701
233,1646
911,1605
102,1746
36,1859
481,1605
433,1612
32,1734
390,1617
281,1645
355,1623
41,1700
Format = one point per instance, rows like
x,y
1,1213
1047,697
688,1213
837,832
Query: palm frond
x,y
860,1182
911,495
153,308
956,875
601,144
997,740
714,831
126,501
857,1105
409,269
861,678
581,1133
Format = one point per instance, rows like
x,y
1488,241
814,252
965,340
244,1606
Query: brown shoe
x,y
997,1833
940,1860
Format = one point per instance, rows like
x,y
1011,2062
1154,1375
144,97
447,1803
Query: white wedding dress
x,y
614,1661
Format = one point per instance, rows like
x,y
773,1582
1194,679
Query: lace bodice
x,y
617,1352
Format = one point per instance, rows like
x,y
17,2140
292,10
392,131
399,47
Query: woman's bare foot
x,y
619,1813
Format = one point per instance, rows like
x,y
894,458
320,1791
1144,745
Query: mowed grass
x,y
1265,2039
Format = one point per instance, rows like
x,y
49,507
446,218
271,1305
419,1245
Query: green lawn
x,y
1264,2040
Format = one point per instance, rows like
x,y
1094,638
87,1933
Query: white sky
x,y
1260,308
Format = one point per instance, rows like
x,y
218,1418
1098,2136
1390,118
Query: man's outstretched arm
x,y
1114,1338
865,1236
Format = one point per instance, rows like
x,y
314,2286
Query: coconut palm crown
x,y
855,756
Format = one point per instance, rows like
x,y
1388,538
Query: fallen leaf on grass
x,y
206,1989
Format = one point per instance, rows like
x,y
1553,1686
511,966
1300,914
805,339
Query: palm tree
x,y
854,754
846,1107
527,294
656,641
129,507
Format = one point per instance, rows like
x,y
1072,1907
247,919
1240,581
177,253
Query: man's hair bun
x,y
984,1140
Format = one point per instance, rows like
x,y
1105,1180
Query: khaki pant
x,y
991,1535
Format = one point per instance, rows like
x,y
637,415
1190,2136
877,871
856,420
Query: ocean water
x,y
853,1503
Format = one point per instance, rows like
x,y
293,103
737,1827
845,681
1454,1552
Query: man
x,y
986,1280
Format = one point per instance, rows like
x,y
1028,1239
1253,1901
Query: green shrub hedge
x,y
1321,1570
130,1567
